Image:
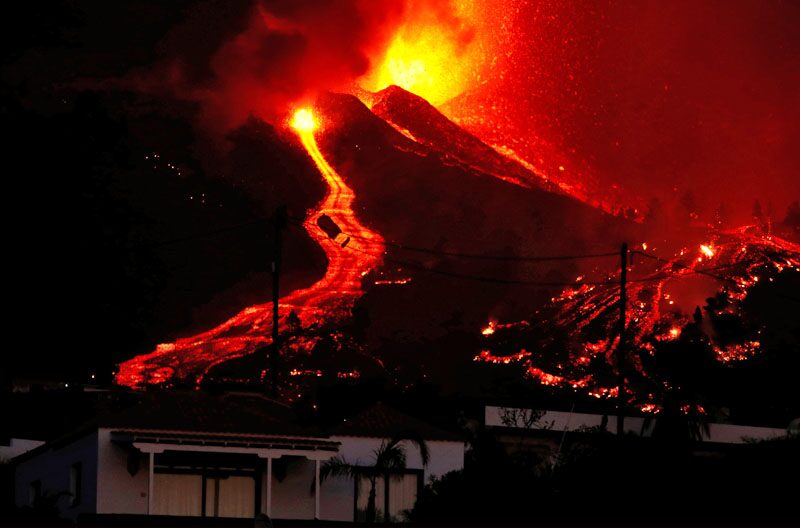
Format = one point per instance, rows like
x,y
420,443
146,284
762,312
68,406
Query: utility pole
x,y
623,300
279,224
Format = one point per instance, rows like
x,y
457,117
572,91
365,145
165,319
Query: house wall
x,y
337,498
108,486
740,434
565,421
52,468
292,497
445,456
117,490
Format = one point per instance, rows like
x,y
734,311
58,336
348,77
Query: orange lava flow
x,y
351,254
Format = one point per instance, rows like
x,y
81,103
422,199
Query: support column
x,y
269,487
316,489
150,482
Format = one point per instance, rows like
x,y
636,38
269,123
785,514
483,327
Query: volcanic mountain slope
x,y
431,194
442,191
700,327
461,242
410,194
445,240
415,117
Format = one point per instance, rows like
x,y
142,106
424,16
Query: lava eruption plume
x,y
275,55
438,51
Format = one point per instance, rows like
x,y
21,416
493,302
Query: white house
x,y
559,422
235,456
14,447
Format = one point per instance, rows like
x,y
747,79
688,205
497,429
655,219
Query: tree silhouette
x,y
390,456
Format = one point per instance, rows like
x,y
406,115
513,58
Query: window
x,y
177,494
400,495
230,496
75,483
362,499
34,493
207,494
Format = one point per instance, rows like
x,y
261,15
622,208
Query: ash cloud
x,y
261,58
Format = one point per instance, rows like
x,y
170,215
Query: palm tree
x,y
390,456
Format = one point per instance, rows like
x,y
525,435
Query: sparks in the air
x,y
434,54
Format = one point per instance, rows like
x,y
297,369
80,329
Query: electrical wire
x,y
475,256
465,276
199,236
703,271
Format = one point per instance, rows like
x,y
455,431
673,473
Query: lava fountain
x,y
326,301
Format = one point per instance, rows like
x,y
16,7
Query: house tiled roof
x,y
247,417
381,421
246,414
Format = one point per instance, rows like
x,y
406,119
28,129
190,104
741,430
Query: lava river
x,y
188,359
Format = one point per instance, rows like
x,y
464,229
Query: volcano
x,y
402,186
428,231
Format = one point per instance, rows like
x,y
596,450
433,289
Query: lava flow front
x,y
719,275
326,301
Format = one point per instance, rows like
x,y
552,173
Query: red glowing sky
x,y
653,96
632,99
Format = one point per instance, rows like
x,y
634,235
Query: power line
x,y
198,236
475,256
702,271
496,280
478,278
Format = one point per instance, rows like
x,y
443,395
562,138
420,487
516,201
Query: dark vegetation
x,y
602,482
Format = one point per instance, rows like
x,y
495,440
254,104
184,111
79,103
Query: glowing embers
x,y
486,356
392,282
649,408
737,352
546,378
663,294
308,373
671,334
494,326
604,392
386,276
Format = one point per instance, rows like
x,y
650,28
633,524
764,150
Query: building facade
x,y
231,458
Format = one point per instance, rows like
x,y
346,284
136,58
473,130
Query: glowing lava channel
x,y
351,254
